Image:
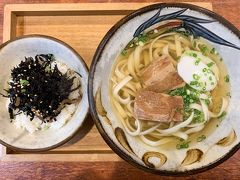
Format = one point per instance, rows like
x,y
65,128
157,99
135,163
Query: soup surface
x,y
169,89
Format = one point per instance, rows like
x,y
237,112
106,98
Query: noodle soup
x,y
164,66
164,89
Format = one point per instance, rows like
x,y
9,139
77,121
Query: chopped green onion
x,y
46,127
201,138
226,78
193,83
194,55
143,38
24,82
203,48
196,77
197,62
210,64
183,145
207,102
23,90
189,95
198,116
212,51
204,69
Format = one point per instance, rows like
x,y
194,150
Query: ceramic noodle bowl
x,y
221,140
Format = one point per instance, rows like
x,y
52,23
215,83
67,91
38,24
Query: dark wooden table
x,y
230,9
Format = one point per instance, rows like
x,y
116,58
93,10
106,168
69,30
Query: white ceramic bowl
x,y
11,53
212,151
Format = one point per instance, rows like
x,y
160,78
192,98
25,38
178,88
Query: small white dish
x,y
11,53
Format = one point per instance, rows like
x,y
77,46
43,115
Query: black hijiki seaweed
x,y
38,89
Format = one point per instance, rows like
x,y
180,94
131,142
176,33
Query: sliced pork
x,y
160,107
161,76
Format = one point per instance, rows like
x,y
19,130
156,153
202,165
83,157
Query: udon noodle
x,y
125,82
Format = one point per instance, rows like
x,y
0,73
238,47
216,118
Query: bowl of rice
x,y
43,86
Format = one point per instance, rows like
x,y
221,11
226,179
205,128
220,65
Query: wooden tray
x,y
82,26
